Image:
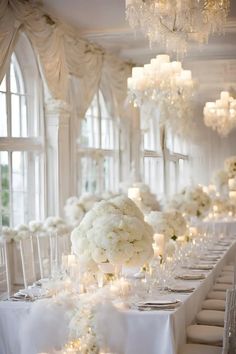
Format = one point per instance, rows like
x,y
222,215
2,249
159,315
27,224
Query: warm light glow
x,y
221,114
173,23
164,84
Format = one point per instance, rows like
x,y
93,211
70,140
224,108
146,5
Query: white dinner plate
x,y
191,276
181,289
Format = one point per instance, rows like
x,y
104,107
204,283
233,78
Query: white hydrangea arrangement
x,y
148,201
56,225
113,231
22,232
220,179
230,166
221,206
75,208
169,223
192,201
7,234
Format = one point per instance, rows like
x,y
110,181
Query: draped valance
x,y
62,53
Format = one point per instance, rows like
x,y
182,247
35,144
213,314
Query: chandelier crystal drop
x,y
221,114
174,22
164,85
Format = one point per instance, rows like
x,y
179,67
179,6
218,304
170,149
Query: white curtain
x,y
62,53
9,29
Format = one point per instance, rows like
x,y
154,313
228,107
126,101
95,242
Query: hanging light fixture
x,y
164,85
221,114
175,22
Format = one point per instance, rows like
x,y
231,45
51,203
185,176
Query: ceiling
x,y
103,22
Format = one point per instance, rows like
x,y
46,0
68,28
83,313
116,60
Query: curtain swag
x,y
62,54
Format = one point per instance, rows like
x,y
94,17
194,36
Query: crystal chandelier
x,y
221,114
174,22
164,85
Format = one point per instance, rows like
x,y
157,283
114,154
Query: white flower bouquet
x,y
7,234
192,201
148,199
113,231
75,208
56,225
220,179
170,223
230,166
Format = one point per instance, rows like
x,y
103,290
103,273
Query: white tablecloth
x,y
164,332
156,332
219,227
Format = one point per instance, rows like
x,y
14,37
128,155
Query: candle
x,y
156,250
224,95
193,231
124,286
71,259
232,194
160,242
134,193
231,183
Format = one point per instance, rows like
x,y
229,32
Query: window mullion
x,y
8,103
10,187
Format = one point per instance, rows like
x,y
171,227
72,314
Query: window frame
x,y
34,145
99,154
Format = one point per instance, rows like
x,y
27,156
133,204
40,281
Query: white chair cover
x,y
4,272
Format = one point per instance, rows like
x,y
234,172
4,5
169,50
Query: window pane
x,y
178,145
19,187
3,84
23,117
14,82
3,115
15,116
89,175
154,175
4,188
107,134
171,178
109,173
183,178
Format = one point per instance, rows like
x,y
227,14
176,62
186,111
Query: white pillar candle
x,y
224,95
231,183
134,193
160,242
163,58
232,195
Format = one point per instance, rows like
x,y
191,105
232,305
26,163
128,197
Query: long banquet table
x,y
153,332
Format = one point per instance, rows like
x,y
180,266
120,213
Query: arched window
x,y
98,168
153,166
21,139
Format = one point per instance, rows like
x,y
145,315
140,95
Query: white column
x,y
57,117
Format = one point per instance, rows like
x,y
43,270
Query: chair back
x,y
229,340
4,272
44,255
27,261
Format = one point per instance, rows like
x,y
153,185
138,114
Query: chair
x,y
211,318
221,287
200,349
229,338
44,253
203,334
4,272
214,304
27,261
218,295
227,279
